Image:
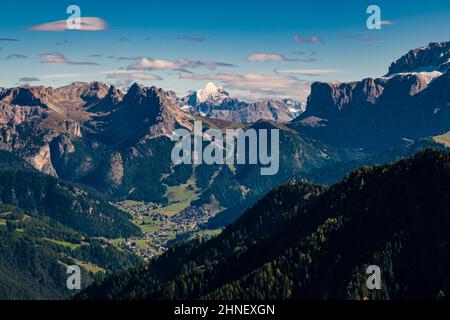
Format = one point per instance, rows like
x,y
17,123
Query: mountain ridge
x,y
377,111
300,234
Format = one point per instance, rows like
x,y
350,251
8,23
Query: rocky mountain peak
x,y
89,92
411,102
211,93
114,94
434,57
109,102
134,90
143,113
27,96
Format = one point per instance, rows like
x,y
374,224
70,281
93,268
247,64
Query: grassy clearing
x,y
89,267
179,197
213,232
70,245
182,192
172,209
150,226
205,234
142,243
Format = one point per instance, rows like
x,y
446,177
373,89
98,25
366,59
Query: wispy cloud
x,y
129,58
152,64
60,59
308,60
257,86
28,79
308,40
123,39
266,57
124,78
87,24
9,39
387,22
132,75
192,38
306,72
15,56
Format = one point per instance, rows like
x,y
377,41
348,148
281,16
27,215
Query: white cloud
x,y
152,64
263,57
149,64
87,24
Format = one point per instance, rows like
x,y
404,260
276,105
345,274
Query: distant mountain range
x,y
119,143
214,102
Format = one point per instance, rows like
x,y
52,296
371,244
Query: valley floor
x,y
166,225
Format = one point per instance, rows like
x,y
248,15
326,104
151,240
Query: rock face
x,y
115,174
94,133
215,102
378,111
34,119
142,113
108,102
435,56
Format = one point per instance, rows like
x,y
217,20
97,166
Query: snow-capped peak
x,y
211,92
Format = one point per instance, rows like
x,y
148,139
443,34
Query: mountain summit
x,y
210,93
434,57
412,102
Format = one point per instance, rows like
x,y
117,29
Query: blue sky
x,y
254,49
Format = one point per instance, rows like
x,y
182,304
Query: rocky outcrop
x,y
42,161
142,114
88,92
378,111
109,102
435,56
115,174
